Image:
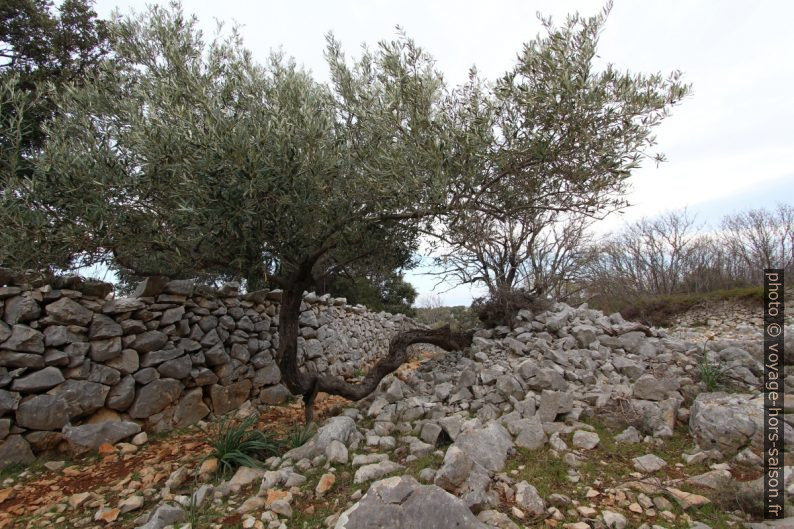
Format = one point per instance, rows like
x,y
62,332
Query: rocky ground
x,y
573,419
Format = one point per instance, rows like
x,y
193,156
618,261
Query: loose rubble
x,y
571,419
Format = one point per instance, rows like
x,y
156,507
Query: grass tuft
x,y
711,375
299,435
236,446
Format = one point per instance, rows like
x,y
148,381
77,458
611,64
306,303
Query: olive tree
x,y
188,157
565,138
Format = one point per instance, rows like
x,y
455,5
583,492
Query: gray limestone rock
x,y
400,502
154,397
68,312
41,380
42,412
91,436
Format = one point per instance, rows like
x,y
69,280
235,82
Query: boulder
x,y
649,463
375,470
630,435
267,376
42,412
25,340
154,397
82,397
227,398
648,387
217,355
553,403
15,359
731,422
150,341
21,309
190,409
454,470
58,335
8,401
627,367
150,287
615,520
121,395
655,418
180,287
15,451
336,452
122,305
541,378
41,380
5,331
487,446
172,315
530,433
585,440
529,500
339,428
178,367
584,334
102,350
164,515
103,374
126,363
400,502
91,436
632,341
274,394
68,312
44,440
103,327
155,358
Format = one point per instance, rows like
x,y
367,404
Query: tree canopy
x,y
43,49
185,157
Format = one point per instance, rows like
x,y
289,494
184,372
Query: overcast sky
x,y
729,146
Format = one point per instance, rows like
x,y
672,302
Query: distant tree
x,y
44,49
674,254
182,157
759,238
539,251
390,293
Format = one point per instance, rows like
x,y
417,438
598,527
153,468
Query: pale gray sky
x,y
730,145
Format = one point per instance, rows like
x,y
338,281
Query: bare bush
x,y
502,307
540,252
672,254
758,239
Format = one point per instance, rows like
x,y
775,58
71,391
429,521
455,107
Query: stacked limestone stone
x,y
163,358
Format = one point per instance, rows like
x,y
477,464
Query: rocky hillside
x,y
573,419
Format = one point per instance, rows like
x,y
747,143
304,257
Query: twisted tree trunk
x,y
308,384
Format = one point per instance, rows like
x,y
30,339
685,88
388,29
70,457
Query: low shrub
x,y
502,308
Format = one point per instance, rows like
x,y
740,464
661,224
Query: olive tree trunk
x,y
309,384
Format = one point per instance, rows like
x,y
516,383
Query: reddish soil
x,y
103,476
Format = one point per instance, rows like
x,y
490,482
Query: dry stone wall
x,y
73,356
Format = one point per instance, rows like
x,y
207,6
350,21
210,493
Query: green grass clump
x,y
711,375
541,469
299,435
236,446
